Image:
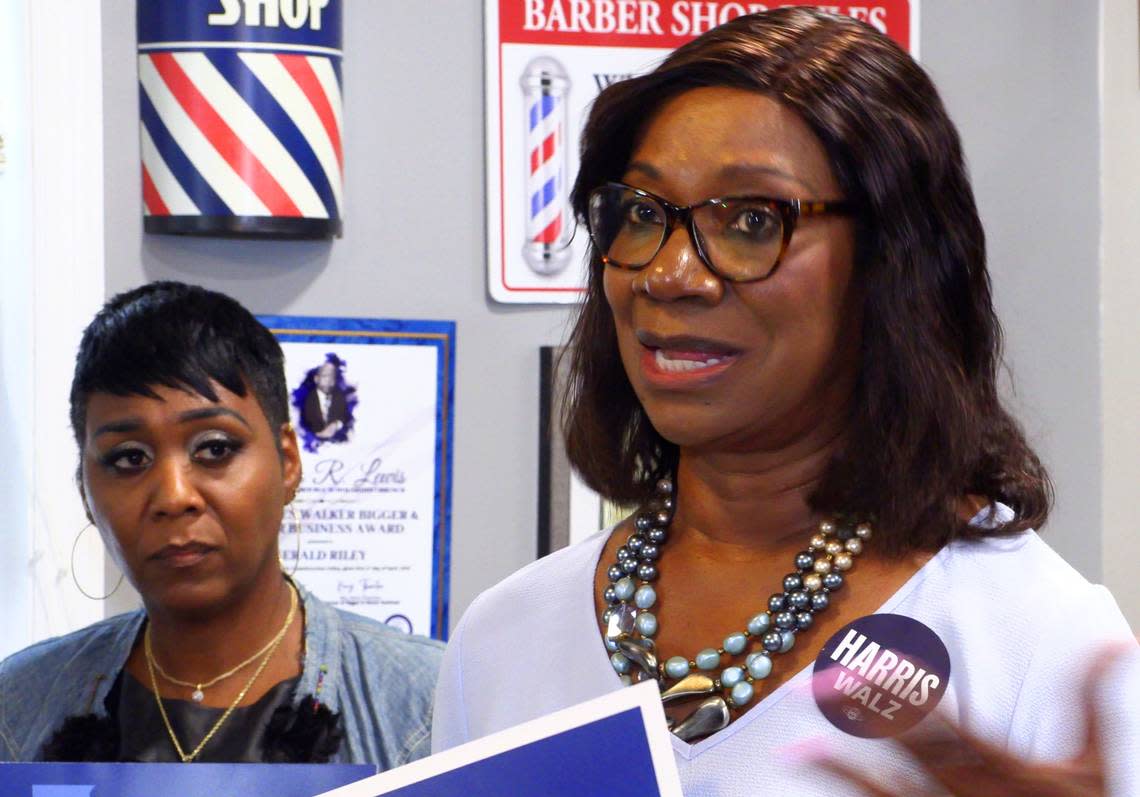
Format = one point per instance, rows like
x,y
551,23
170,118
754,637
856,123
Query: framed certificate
x,y
372,404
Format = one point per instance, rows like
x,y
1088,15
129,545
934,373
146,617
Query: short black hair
x,y
179,336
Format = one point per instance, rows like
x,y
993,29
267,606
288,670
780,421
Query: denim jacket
x,y
380,680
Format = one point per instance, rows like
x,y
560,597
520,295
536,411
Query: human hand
x,y
963,763
330,429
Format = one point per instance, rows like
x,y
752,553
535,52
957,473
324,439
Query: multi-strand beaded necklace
x,y
631,625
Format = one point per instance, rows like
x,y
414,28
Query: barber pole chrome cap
x,y
240,117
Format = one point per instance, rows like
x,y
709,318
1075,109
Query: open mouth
x,y
681,362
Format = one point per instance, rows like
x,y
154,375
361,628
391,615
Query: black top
x,y
271,731
143,736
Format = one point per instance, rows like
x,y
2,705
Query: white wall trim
x,y
16,394
1120,298
65,233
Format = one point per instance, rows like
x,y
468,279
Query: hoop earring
x,y
78,586
297,531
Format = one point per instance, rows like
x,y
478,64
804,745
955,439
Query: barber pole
x,y
532,254
240,117
545,86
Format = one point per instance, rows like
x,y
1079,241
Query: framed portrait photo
x,y
372,403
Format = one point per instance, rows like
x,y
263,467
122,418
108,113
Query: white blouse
x,y
1020,624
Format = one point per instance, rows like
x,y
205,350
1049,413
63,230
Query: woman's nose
x,y
677,272
174,491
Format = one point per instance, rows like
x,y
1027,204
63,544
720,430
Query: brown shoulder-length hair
x,y
927,425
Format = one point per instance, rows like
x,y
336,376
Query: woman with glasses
x,y
187,460
786,360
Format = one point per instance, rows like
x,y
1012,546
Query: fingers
x,y
941,740
1102,664
964,763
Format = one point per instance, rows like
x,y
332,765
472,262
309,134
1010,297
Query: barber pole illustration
x,y
563,53
545,87
240,117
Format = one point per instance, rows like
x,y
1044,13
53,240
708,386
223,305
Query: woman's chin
x,y
188,598
690,429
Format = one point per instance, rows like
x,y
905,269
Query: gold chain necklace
x,y
270,649
198,695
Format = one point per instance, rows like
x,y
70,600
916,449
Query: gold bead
x,y
813,582
826,527
854,546
863,531
833,547
843,561
817,541
822,566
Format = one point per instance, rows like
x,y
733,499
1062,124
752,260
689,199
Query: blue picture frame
x,y
441,336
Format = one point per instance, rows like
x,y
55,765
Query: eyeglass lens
x,y
742,238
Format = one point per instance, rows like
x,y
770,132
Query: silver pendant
x,y
621,622
640,652
690,686
197,696
711,716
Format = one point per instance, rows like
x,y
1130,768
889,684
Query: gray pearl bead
x,y
665,486
667,504
614,573
803,621
776,603
624,553
647,572
635,543
643,522
804,560
785,620
772,641
657,536
609,595
792,582
662,518
628,565
833,581
846,532
649,552
819,601
799,600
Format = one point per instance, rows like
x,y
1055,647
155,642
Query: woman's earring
x,y
78,586
296,530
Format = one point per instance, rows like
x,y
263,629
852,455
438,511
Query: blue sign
x,y
589,759
305,23
617,738
184,780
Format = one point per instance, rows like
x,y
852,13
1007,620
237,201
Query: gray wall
x,y
1019,77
